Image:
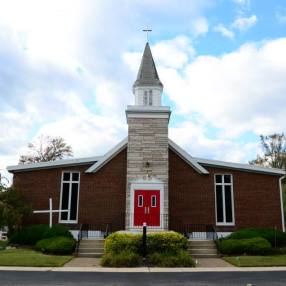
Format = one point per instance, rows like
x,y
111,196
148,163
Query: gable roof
x,y
187,158
97,162
108,156
53,164
147,74
239,166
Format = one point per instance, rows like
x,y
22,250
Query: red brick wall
x,y
101,195
192,196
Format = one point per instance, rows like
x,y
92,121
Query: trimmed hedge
x,y
170,242
57,245
125,258
251,246
31,234
164,249
267,233
119,242
180,259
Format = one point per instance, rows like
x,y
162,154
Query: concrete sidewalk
x,y
143,269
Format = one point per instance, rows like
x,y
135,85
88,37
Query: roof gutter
x,y
281,202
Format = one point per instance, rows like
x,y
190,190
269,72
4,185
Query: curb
x,y
142,269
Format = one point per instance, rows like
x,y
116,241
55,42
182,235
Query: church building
x,y
148,178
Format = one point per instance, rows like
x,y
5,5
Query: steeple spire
x,y
147,74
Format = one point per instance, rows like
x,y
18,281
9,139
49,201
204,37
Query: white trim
x,y
148,186
142,201
153,206
239,166
281,202
185,156
108,156
53,164
222,184
70,182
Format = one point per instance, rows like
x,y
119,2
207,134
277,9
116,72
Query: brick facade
x,y
101,194
191,195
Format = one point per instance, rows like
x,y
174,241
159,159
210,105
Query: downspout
x,y
281,202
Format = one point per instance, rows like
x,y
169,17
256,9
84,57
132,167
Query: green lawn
x,y
244,261
27,257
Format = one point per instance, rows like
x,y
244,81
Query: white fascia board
x,y
53,164
186,157
108,156
239,166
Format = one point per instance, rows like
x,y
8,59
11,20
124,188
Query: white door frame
x,y
146,186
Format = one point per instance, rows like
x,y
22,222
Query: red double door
x,y
147,207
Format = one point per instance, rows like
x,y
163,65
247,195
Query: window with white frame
x,y
69,196
140,201
145,98
153,201
150,97
224,199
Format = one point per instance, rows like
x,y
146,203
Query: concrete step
x,y
202,251
207,246
91,244
205,255
90,255
88,250
202,245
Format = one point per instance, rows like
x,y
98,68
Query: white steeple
x,y
147,88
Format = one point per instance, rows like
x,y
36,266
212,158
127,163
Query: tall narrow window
x,y
69,196
150,97
145,98
224,199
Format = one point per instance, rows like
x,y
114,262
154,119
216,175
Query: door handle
x,y
145,210
148,210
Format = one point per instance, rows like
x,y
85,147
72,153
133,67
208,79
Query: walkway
x,y
95,262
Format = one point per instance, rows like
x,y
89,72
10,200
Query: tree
x,y
45,149
274,151
12,208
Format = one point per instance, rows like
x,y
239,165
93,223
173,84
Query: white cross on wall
x,y
50,211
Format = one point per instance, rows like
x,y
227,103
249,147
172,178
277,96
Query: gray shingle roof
x,y
147,74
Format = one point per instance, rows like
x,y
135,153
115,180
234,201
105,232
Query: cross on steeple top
x,y
147,30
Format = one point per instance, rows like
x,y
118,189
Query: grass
x,y
27,257
248,261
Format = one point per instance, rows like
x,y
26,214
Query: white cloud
x,y
239,92
244,23
220,28
242,2
200,26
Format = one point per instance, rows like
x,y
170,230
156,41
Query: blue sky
x,y
67,68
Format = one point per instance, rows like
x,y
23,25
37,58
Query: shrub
x,y
180,259
31,234
166,242
118,242
125,258
57,245
268,233
58,230
3,244
252,246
